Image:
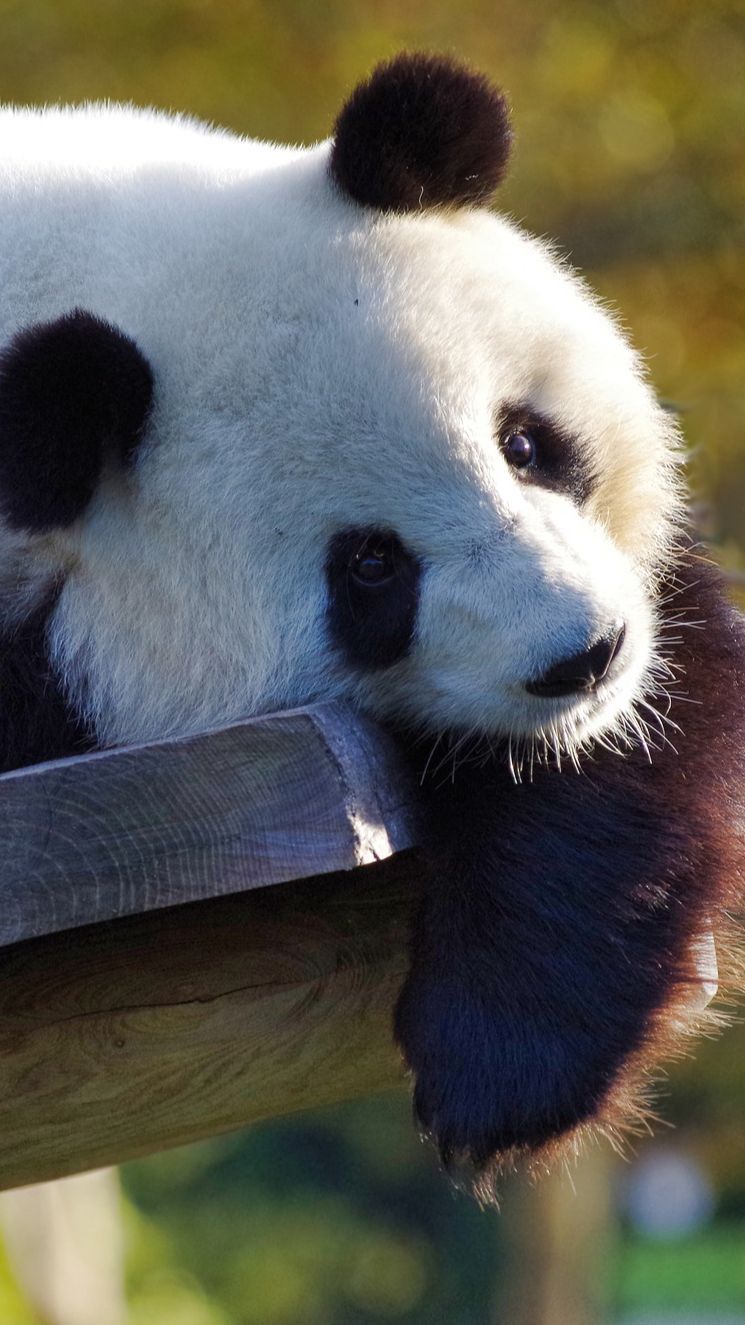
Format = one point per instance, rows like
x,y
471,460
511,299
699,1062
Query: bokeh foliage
x,y
630,152
335,1218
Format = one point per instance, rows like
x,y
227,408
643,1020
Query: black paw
x,y
494,1081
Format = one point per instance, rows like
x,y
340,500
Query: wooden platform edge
x,y
291,795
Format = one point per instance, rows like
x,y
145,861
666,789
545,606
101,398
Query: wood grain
x,y
123,1038
288,796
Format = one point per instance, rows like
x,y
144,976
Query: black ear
x,y
422,131
72,393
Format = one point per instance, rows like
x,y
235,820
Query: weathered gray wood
x,y
124,1038
283,797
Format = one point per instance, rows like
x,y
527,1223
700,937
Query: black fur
x,y
372,625
559,914
72,392
422,131
561,462
36,722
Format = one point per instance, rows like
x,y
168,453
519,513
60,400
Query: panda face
x,y
448,480
396,456
498,505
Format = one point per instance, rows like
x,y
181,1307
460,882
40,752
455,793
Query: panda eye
x,y
520,449
544,453
374,564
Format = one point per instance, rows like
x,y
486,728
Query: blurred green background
x,y
629,117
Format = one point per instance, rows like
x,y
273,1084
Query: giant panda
x,y
284,425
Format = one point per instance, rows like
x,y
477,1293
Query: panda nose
x,y
582,671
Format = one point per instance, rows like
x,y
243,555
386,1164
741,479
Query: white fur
x,y
320,366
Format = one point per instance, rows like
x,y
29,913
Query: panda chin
x,y
626,711
609,719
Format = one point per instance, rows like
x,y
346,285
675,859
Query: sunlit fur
x,y
318,365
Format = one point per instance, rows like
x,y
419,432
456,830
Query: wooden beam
x,y
123,1038
128,831
153,989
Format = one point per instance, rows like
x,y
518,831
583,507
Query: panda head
x,y
317,424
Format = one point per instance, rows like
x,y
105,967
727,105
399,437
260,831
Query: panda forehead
x,y
411,338
442,323
472,305
359,352
458,300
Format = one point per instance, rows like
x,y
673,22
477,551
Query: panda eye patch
x,y
543,453
373,588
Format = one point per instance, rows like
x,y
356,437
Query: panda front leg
x,y
554,950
